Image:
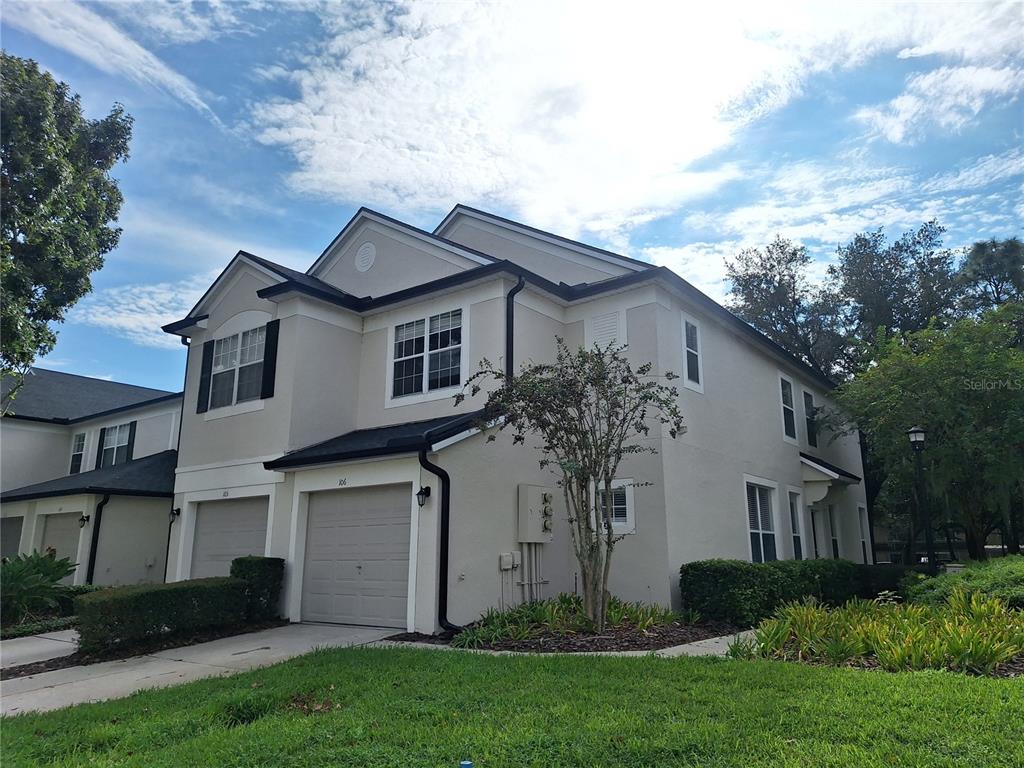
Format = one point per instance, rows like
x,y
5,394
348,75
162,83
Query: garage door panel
x,y
226,530
357,556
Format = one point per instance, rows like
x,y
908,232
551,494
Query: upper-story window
x,y
428,354
693,372
788,409
114,449
77,453
810,419
237,368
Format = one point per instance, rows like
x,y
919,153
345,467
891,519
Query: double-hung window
x,y
794,525
810,419
692,362
237,368
833,530
115,445
788,409
621,510
77,452
762,526
427,354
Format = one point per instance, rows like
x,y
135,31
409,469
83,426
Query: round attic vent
x,y
365,256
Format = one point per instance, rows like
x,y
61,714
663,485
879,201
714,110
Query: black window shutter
x,y
269,359
131,440
203,402
99,448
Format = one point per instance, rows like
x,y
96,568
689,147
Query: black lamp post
x,y
916,435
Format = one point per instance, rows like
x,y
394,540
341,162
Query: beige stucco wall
x,y
31,453
554,262
401,262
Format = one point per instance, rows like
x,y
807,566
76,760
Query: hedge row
x,y
744,593
263,577
126,615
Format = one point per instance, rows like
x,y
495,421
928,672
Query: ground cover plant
x,y
392,707
561,624
969,633
1001,577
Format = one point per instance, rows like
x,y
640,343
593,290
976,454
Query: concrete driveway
x,y
114,679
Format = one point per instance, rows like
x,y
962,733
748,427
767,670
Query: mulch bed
x,y
136,649
612,639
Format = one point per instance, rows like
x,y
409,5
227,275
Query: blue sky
x,y
666,132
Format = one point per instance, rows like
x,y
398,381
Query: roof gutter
x,y
96,520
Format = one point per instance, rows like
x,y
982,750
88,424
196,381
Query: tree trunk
x,y
975,543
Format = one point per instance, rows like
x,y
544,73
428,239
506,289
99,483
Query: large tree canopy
x,y
58,203
993,274
964,384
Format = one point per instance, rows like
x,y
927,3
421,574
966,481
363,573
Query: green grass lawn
x,y
365,707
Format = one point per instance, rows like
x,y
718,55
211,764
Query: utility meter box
x,y
536,514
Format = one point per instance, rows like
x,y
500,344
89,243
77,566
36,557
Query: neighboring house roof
x,y
378,441
63,398
830,467
148,476
575,245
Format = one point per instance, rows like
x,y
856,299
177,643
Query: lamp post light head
x,y
422,495
916,435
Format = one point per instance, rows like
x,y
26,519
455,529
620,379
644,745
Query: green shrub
x,y
560,615
26,628
263,577
29,585
743,593
1001,577
67,594
125,615
969,633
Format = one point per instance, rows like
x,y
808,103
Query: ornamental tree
x,y
58,204
589,410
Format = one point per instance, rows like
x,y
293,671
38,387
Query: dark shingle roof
x,y
378,441
63,397
148,476
833,467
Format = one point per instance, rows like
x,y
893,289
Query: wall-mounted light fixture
x,y
174,514
83,520
422,495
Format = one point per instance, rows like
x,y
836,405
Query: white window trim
x,y
803,404
426,396
237,368
833,532
773,488
864,527
85,451
100,444
699,387
782,409
801,521
224,411
629,527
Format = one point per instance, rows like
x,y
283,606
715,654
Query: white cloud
x,y
948,97
702,264
182,21
136,312
982,172
589,120
228,199
83,33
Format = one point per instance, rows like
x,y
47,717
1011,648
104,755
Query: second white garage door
x,y
226,530
357,556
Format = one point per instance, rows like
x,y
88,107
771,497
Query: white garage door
x,y
357,556
61,532
226,530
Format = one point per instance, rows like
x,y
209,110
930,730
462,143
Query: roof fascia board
x,y
366,214
123,408
539,234
85,491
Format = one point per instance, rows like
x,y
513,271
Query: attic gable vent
x,y
606,329
365,256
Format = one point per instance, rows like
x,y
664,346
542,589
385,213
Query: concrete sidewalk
x,y
26,650
114,679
